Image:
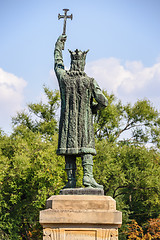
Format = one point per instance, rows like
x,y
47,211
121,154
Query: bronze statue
x,y
76,134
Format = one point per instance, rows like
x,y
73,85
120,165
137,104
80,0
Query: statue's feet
x,y
89,181
70,184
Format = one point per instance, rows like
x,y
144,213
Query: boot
x,y
88,179
71,170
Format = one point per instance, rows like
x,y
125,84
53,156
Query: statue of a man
x,y
76,134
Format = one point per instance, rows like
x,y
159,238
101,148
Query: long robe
x,y
76,134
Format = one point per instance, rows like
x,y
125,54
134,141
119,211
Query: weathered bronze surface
x,y
82,191
65,16
76,135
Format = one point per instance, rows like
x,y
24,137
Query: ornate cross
x,y
65,16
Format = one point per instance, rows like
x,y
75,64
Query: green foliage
x,y
28,176
141,122
127,167
130,174
42,116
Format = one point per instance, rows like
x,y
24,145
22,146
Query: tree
x,y
153,229
128,160
130,174
141,122
30,169
30,173
150,231
135,231
125,165
42,116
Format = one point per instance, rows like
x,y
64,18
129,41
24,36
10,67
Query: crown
x,y
78,55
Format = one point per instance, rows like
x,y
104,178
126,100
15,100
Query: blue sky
x,y
123,37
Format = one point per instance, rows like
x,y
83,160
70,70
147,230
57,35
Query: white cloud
x,y
109,73
11,96
129,81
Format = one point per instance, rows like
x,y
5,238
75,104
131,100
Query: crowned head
x,y
78,60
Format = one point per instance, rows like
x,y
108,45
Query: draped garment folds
x,y
76,134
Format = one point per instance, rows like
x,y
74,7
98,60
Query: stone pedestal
x,y
80,217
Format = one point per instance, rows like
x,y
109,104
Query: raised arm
x,y
58,58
